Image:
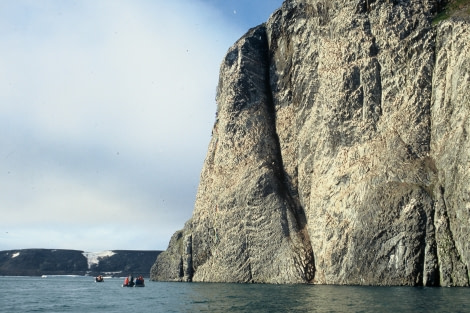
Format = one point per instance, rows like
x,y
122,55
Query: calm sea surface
x,y
82,294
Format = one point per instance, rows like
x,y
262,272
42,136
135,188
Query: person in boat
x,y
139,282
129,281
99,279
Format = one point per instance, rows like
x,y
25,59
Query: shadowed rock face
x,y
340,152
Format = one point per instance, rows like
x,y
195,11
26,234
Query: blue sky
x,y
106,111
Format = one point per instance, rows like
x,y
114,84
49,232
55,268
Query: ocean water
x,y
82,294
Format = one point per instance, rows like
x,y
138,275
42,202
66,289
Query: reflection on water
x,y
319,298
82,294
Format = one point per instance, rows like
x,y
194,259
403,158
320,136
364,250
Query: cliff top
x,y
454,8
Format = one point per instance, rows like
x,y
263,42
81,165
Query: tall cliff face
x,y
340,153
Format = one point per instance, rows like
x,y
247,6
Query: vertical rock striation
x,y
245,227
450,150
340,152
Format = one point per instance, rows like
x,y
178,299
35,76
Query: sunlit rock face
x,y
340,152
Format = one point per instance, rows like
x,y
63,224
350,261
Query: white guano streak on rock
x,y
93,257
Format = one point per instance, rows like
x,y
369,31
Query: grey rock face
x,y
340,153
450,150
244,227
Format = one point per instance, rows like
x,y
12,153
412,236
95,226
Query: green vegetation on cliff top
x,y
453,8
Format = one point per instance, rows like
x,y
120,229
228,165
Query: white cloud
x,y
106,109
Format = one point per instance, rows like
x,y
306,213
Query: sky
x,y
106,111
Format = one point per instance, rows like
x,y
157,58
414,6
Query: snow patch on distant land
x,y
14,255
93,257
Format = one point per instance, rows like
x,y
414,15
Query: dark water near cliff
x,y
82,294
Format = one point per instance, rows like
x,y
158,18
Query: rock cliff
x,y
340,152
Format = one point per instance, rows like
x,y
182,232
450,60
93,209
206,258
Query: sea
x,y
83,294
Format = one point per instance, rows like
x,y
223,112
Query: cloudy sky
x,y
106,111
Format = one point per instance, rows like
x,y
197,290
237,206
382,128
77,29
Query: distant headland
x,y
38,262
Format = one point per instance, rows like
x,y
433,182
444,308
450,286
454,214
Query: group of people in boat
x,y
128,281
